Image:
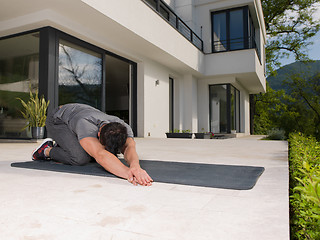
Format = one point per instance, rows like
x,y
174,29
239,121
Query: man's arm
x,y
112,164
106,159
130,155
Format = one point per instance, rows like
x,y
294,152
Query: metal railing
x,y
236,44
173,19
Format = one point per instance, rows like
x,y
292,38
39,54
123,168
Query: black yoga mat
x,y
194,174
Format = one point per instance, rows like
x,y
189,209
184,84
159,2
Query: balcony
x,y
173,19
236,44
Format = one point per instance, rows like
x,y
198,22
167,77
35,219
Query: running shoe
x,y
38,153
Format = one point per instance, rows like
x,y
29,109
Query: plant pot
x,y
179,135
37,132
203,135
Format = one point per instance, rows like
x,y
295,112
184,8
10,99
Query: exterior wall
x,y
132,30
203,102
156,100
149,33
140,100
171,3
190,104
243,64
234,62
186,10
245,112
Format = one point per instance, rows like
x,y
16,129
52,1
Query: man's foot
x,y
38,153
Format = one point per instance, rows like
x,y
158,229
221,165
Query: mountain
x,y
308,70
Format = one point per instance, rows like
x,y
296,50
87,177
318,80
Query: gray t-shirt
x,y
85,121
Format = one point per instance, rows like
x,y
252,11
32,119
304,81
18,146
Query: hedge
x,y
304,168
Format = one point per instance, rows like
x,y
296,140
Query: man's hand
x,y
137,175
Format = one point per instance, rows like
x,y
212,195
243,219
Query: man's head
x,y
113,137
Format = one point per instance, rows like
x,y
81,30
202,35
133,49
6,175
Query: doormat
x,y
193,174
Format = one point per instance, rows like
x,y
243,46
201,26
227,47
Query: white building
x,y
160,65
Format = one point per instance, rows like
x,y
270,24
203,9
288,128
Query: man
x,y
82,132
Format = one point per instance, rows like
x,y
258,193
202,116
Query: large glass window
x,y
19,72
220,31
70,71
80,75
236,29
224,108
218,109
232,29
118,89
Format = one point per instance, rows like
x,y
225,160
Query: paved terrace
x,y
41,205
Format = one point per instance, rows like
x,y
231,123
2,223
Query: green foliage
x,y
9,102
272,112
309,70
296,110
276,134
304,158
35,111
289,25
186,131
178,131
174,131
307,95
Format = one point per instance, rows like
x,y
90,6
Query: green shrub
x,y
304,159
276,134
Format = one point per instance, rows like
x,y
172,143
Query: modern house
x,y
158,64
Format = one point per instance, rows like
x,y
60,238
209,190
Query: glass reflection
x,y
220,32
80,75
218,108
236,30
118,74
224,108
19,72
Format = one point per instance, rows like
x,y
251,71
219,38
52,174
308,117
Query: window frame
x,y
246,19
237,114
49,67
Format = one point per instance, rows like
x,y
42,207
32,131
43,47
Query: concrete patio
x,y
41,205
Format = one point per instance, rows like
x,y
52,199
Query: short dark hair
x,y
113,137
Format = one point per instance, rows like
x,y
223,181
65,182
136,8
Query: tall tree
x,y
290,24
306,91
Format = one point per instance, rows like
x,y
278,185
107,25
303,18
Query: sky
x,y
314,50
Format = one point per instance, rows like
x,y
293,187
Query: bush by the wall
x,y
304,159
276,134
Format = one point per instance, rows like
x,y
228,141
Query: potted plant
x,y
204,135
35,112
177,134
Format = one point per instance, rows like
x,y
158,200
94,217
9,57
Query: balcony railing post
x,y
177,23
158,5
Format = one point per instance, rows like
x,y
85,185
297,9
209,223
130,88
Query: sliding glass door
x,y
19,73
80,75
218,109
224,108
118,89
64,69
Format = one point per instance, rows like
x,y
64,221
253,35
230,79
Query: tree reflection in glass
x,y
80,75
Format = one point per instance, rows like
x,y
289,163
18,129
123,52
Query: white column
x,y
140,100
190,103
